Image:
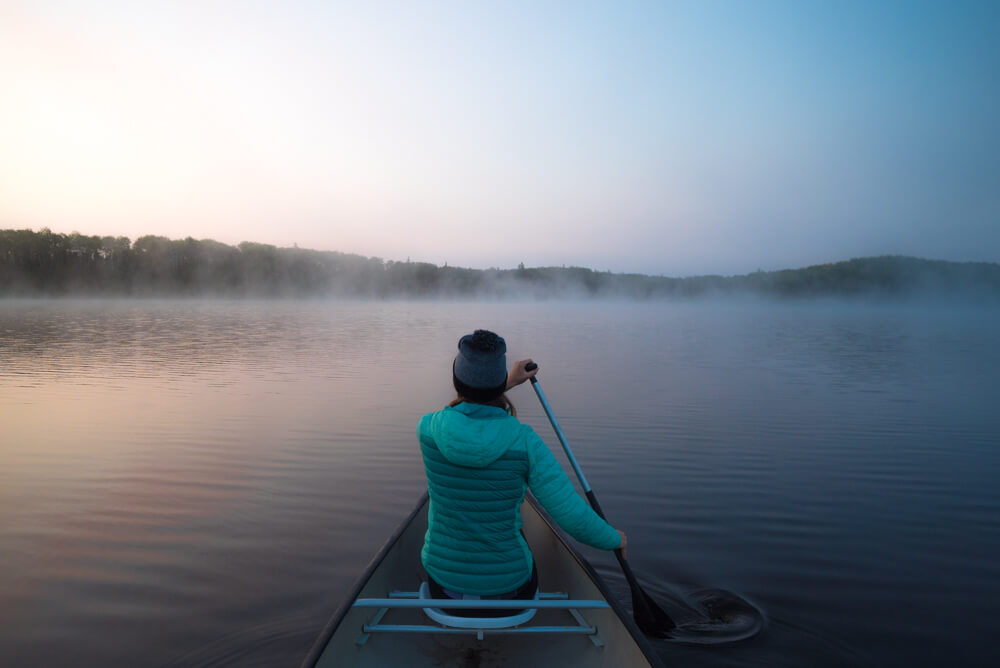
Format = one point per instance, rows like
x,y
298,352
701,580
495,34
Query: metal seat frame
x,y
545,600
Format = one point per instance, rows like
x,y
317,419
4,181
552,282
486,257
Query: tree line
x,y
47,263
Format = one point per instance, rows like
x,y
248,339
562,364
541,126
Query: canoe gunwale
x,y
347,605
624,615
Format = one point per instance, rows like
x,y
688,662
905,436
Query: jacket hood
x,y
472,434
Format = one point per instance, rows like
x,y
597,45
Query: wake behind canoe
x,y
404,636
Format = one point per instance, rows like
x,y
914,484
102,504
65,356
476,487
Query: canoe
x,y
578,621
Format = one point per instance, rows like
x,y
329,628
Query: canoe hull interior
x,y
397,568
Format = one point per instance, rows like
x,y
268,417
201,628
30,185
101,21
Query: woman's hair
x,y
500,402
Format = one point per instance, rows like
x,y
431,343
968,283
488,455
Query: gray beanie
x,y
480,368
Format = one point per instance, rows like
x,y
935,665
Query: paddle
x,y
649,616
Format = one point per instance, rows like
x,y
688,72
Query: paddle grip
x,y
531,366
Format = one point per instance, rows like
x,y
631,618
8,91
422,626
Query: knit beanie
x,y
480,368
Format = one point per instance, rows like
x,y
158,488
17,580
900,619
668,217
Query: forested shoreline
x,y
45,263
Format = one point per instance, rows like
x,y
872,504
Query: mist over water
x,y
201,482
44,263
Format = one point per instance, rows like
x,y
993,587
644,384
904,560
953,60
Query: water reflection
x,y
199,482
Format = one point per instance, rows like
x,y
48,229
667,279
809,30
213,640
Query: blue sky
x,y
662,137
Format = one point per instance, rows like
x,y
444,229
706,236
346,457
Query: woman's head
x,y
479,371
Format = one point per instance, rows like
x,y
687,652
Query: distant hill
x,y
46,263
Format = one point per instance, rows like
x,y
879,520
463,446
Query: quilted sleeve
x,y
553,489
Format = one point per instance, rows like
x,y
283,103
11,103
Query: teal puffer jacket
x,y
479,461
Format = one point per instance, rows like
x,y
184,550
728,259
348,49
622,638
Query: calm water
x,y
200,483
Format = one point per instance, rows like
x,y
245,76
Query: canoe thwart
x,y
430,628
541,603
363,638
469,626
542,595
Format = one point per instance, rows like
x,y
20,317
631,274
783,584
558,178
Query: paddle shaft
x,y
640,599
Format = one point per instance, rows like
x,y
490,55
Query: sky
x,y
673,138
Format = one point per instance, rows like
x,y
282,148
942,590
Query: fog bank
x,y
47,263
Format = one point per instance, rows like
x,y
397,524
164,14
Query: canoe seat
x,y
478,626
454,621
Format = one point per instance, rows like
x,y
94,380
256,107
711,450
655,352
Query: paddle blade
x,y
649,616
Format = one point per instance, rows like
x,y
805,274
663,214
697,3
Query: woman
x,y
479,460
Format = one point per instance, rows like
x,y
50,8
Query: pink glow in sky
x,y
661,138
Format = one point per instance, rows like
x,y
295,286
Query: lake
x,y
200,483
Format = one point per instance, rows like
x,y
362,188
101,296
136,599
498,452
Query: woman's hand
x,y
518,375
622,547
